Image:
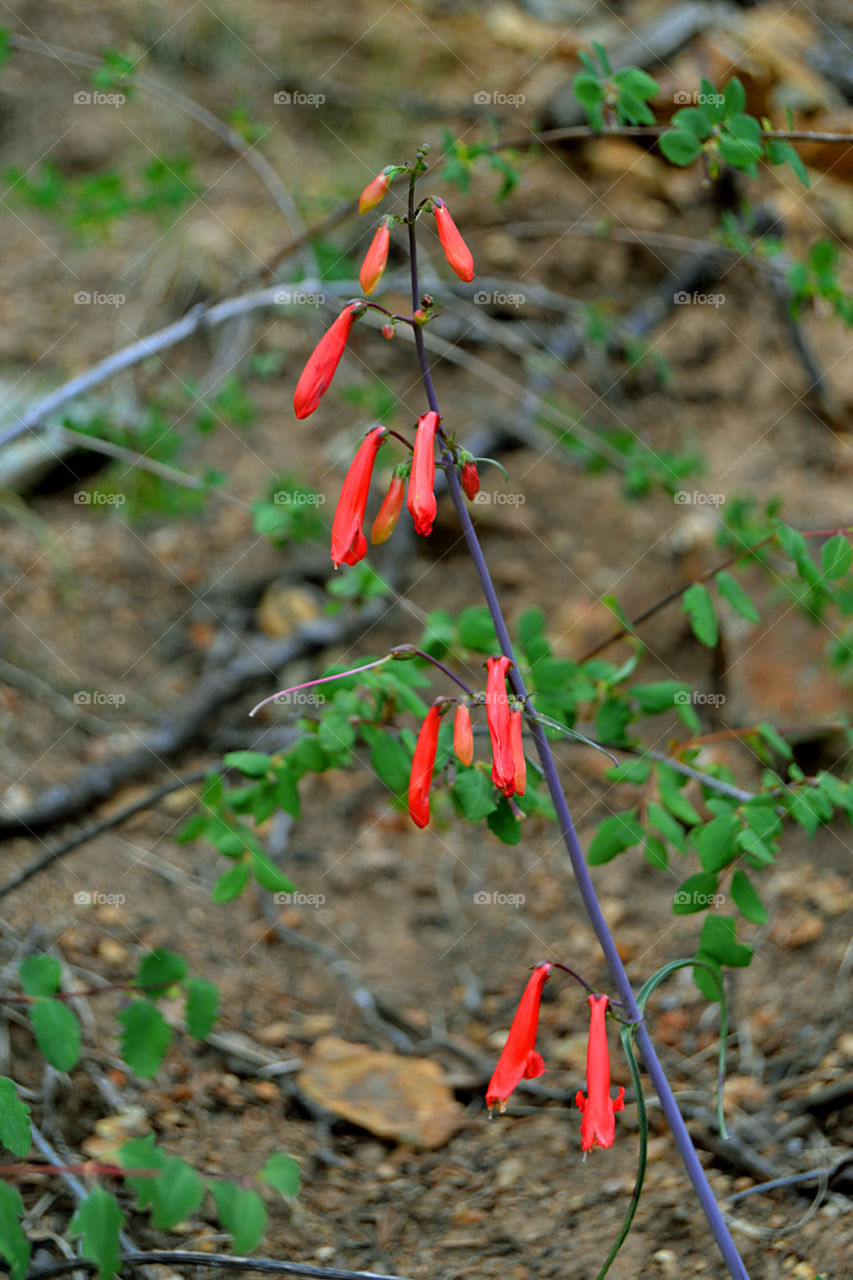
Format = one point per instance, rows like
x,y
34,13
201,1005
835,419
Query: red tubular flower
x,y
500,730
470,479
375,191
376,258
517,747
389,513
598,1127
316,377
348,542
421,497
422,766
519,1059
463,736
455,249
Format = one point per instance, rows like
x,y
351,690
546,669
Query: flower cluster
x,y
519,1060
509,769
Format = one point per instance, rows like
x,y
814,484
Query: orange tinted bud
x,y
423,762
389,513
470,479
456,251
375,258
316,377
421,498
374,191
420,316
463,735
498,719
388,331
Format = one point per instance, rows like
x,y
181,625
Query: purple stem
x,y
683,1141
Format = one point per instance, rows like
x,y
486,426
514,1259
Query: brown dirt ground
x,y
94,602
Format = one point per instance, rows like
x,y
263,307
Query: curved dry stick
x,y
179,1257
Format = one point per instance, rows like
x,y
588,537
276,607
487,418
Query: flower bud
x,y
389,513
375,190
456,251
463,735
376,257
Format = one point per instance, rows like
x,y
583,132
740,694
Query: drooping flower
x,y
421,497
598,1126
463,736
517,746
375,190
469,477
348,541
392,504
315,379
423,762
519,1059
456,251
376,257
498,719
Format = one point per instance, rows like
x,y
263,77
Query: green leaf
x,y
530,627
40,975
254,764
146,1037
746,899
57,1032
476,630
504,823
588,91
612,718
268,875
715,842
809,809
694,120
699,607
175,1193
615,834
241,1212
14,1246
308,756
391,762
740,155
230,843
474,793
550,675
161,968
680,147
636,82
655,852
731,590
836,557
285,791
719,941
15,1132
202,1006
774,740
709,987
230,885
673,797
635,771
192,828
663,695
282,1172
734,96
141,1153
98,1220
697,893
668,826
747,130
